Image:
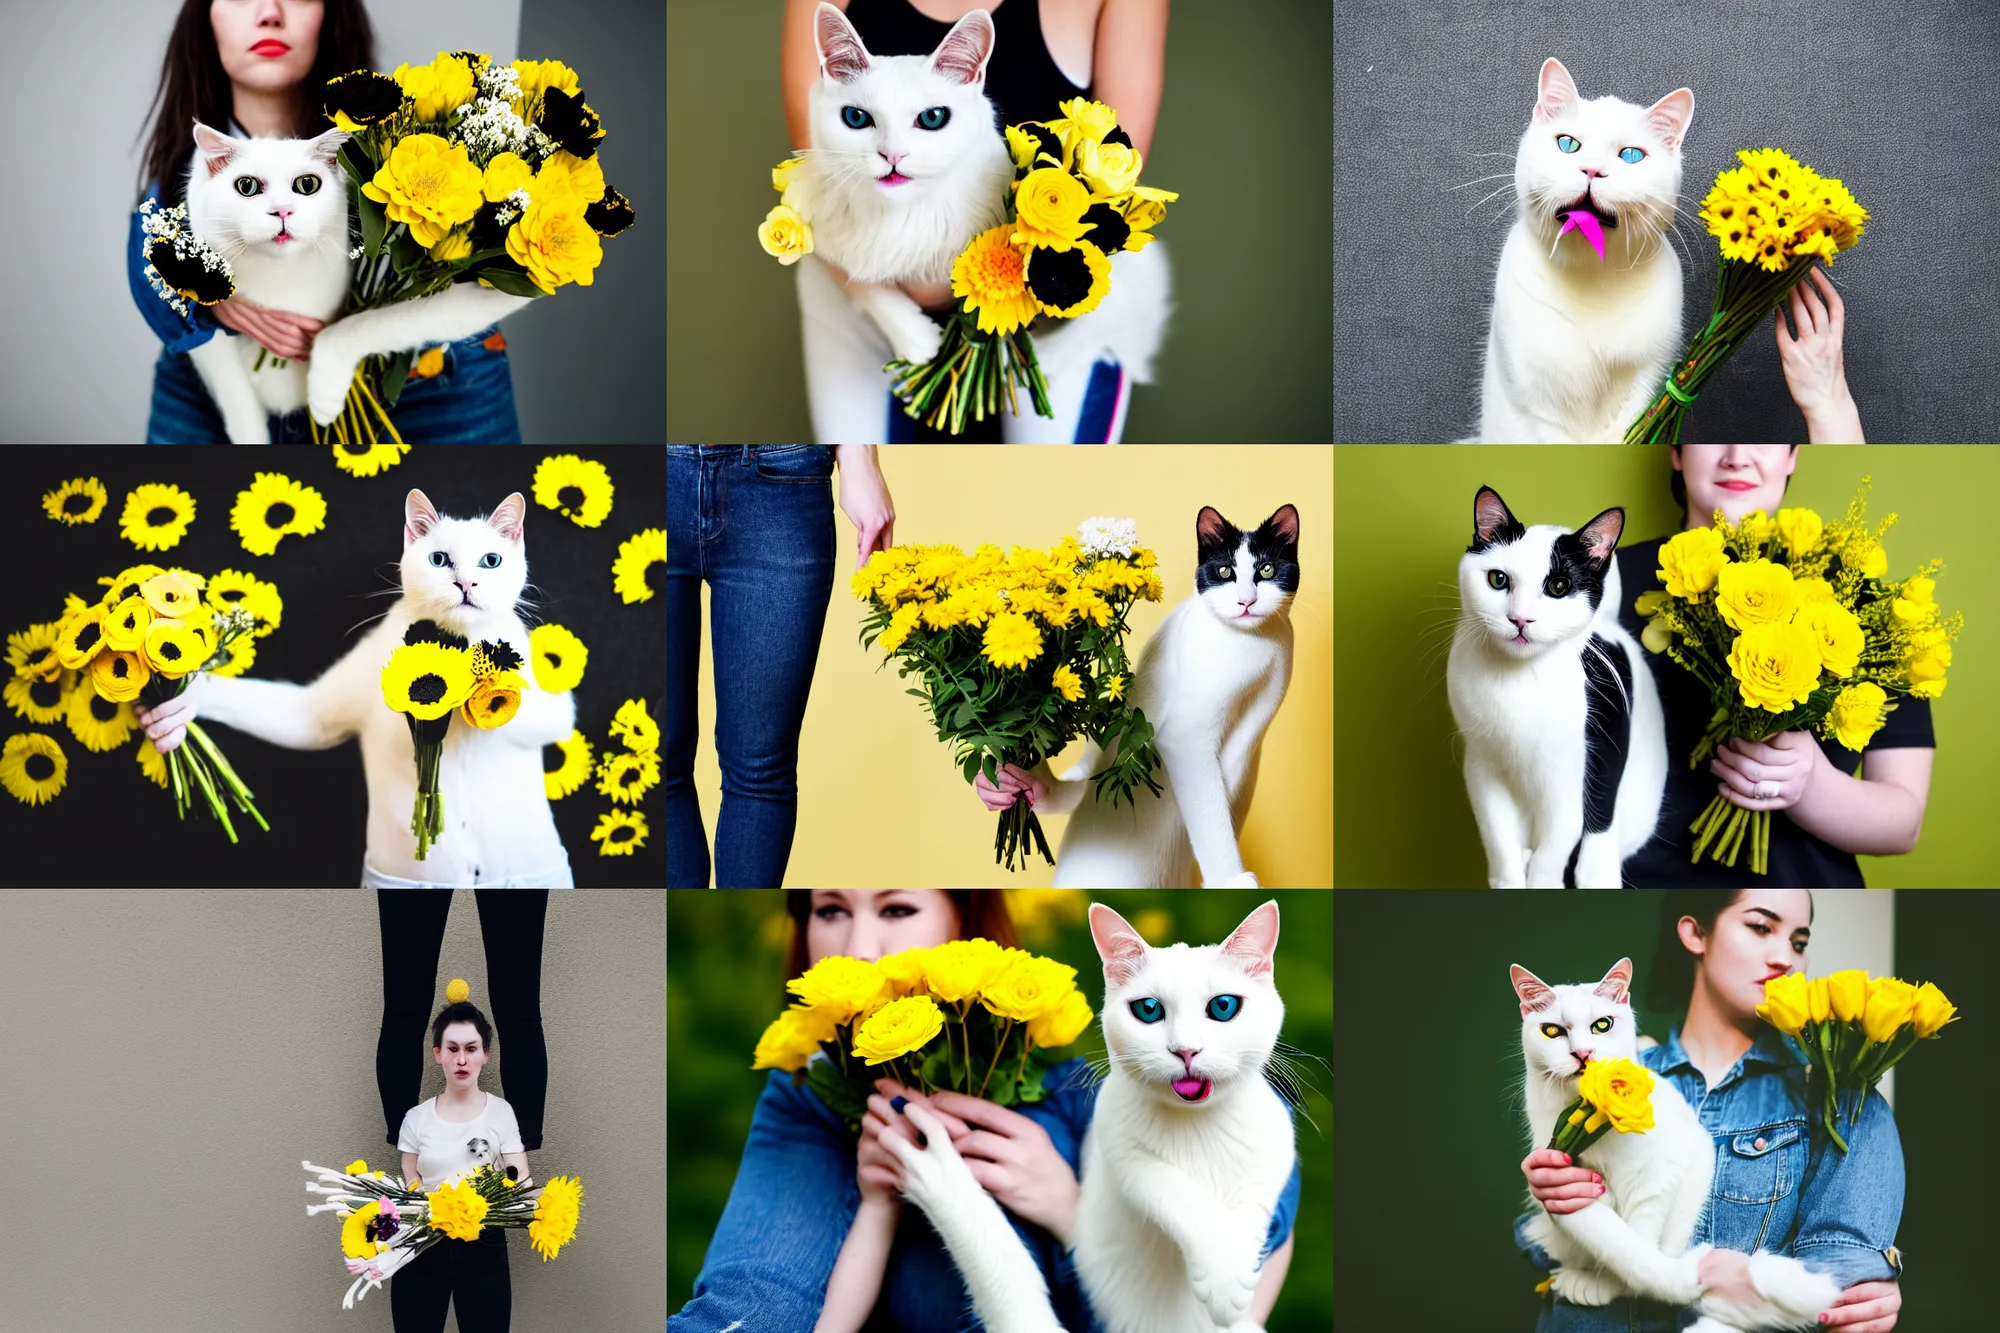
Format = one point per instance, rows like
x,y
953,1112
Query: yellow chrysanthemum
x,y
357,459
32,652
627,777
156,517
620,831
426,680
232,589
1114,687
636,555
838,987
174,647
557,1213
151,763
990,277
785,236
563,172
458,1210
33,768
900,624
573,771
506,173
1857,714
119,676
634,725
1066,683
234,660
41,701
558,657
1048,209
494,700
554,244
579,489
438,88
1011,640
274,506
125,625
79,500
898,1028
1776,666
428,184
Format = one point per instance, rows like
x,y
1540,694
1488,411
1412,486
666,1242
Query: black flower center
x,y
232,595
628,777
76,502
623,833
45,693
121,667
159,516
38,656
278,515
39,768
1059,278
495,702
102,708
656,576
553,758
170,650
427,688
87,637
570,497
554,660
130,589
1108,231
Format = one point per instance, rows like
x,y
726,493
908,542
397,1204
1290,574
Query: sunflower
x,y
427,680
557,1211
126,583
627,777
79,500
33,768
119,676
635,556
156,517
366,460
39,701
171,595
636,727
125,625
494,700
1068,282
572,756
275,506
81,638
97,722
578,488
620,831
32,652
990,277
229,589
174,648
152,763
492,656
235,659
559,658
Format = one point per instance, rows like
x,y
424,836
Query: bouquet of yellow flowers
x,y
1772,216
1019,653
387,1221
946,1017
1610,1094
432,674
1791,625
464,170
1853,1028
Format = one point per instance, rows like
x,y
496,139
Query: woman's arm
x,y
1849,1208
1271,1282
798,66
1129,65
864,498
857,1274
410,1167
1881,814
517,1160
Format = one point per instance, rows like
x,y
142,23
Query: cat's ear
x,y
1556,96
842,57
962,55
1670,117
1284,525
1253,942
419,517
1492,521
1210,527
217,149
1534,993
510,517
326,148
1617,984
1121,947
1600,535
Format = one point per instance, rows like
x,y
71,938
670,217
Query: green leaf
x,y
395,371
374,224
511,281
842,1096
404,252
936,1068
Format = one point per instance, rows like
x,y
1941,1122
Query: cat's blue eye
x,y
1496,580
439,559
1148,1010
1555,585
1632,154
1225,1007
855,118
1601,1025
489,561
249,186
933,118
305,185
1569,143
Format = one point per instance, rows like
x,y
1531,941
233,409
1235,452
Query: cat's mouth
x,y
1605,217
1192,1089
893,178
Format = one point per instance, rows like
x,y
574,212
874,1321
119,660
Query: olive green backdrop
x,y
1402,518
1427,1171
1245,136
725,983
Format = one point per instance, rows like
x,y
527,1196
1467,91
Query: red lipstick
x,y
271,47
1737,485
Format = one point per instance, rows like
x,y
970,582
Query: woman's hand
x,y
166,726
1013,779
282,333
1558,1185
1790,759
1812,360
929,295
864,498
1727,1274
1869,1307
876,1169
1009,1155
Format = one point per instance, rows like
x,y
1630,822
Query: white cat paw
x,y
1246,880
247,427
935,1178
1581,1287
328,375
915,339
1225,1293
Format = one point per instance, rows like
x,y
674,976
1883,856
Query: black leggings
x,y
510,924
468,1274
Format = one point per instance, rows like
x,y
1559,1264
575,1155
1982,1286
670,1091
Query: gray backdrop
x,y
76,364
1898,101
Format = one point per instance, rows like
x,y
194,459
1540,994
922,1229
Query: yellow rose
x,y
1787,1003
1848,992
506,173
1857,713
1932,1010
1022,147
1755,593
1801,529
1812,591
959,969
1820,999
1776,666
1621,1091
1108,168
1649,603
1690,562
555,245
840,986
1866,554
900,625
1027,989
565,172
1063,1024
429,185
1913,613
781,175
439,88
904,970
785,236
1091,120
1838,634
1048,209
1065,680
897,1028
1917,588
1891,1002
455,244
784,1045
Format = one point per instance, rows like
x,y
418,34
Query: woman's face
x,y
269,45
1735,478
1760,936
462,1056
873,923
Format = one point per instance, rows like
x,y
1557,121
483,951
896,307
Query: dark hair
x,y
1670,982
193,86
1678,484
982,914
463,1012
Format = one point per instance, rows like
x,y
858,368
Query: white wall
x,y
1856,928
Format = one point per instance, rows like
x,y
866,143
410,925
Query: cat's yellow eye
x,y
1226,572
1267,571
1601,1025
306,185
1496,580
1551,1031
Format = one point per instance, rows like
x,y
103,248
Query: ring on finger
x,y
1768,790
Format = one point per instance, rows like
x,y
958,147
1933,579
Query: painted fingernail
x,y
898,1103
922,1142
1566,1160
1600,1189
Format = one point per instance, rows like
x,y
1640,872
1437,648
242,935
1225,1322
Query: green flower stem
x,y
234,783
201,776
1004,1032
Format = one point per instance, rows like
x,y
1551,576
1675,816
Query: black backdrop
x,y
110,827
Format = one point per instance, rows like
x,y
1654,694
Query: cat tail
x,y
1790,1296
1639,1263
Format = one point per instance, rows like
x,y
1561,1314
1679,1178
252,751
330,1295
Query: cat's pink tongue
x,y
1191,1089
1587,223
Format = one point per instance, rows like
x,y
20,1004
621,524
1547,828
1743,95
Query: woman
x,y
850,1251
1812,361
755,522
1045,52
444,1139
1827,815
1780,1184
260,68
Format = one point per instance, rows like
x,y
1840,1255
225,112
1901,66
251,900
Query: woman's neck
x,y
1713,1037
269,113
456,1097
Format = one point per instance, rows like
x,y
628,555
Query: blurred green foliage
x,y
725,983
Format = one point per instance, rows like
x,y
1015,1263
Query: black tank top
x,y
1022,79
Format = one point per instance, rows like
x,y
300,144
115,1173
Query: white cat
x,y
1209,680
1565,743
466,576
276,209
1187,1152
1578,344
1634,1240
907,165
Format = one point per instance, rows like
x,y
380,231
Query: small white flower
x,y
1108,536
357,252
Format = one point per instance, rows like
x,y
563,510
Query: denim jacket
x,y
180,333
1780,1184
795,1198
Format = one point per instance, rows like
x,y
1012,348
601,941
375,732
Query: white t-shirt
x,y
451,1150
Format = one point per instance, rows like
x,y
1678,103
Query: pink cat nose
x,y
895,159
1522,622
1187,1057
282,210
1592,171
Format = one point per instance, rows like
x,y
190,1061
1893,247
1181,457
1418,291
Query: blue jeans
x,y
470,401
756,523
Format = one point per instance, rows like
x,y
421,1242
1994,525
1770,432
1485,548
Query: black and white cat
x,y
1565,743
1209,680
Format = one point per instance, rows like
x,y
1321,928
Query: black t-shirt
x,y
1797,858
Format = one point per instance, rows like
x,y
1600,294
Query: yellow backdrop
x,y
881,805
